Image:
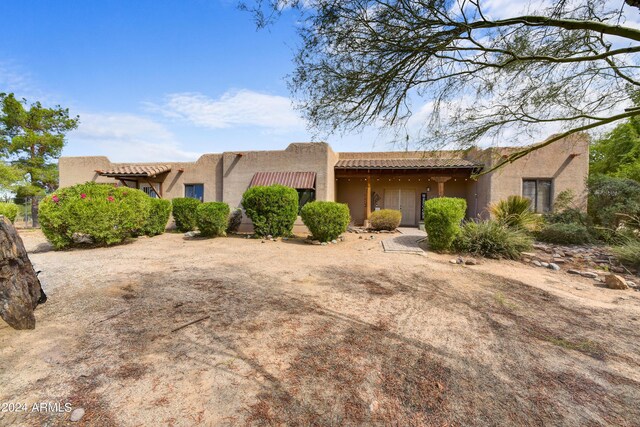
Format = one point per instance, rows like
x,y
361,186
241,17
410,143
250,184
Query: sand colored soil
x,y
317,335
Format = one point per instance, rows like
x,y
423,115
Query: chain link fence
x,y
24,219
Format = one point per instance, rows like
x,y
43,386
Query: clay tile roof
x,y
136,170
419,163
297,180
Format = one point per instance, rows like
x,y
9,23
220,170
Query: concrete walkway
x,y
407,242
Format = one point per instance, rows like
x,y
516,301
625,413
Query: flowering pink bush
x,y
83,196
110,198
55,199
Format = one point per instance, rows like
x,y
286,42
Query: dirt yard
x,y
317,336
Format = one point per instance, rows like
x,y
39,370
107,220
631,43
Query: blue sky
x,y
158,80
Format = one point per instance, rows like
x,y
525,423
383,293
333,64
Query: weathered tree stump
x,y
20,288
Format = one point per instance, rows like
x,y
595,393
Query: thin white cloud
x,y
125,137
243,108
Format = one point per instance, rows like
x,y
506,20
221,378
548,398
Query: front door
x,y
403,200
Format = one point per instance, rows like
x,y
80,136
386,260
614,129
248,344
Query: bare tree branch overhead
x,y
471,73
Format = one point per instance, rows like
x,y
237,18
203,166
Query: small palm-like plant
x,y
515,212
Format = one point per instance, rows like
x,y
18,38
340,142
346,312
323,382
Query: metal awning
x,y
417,163
297,180
135,171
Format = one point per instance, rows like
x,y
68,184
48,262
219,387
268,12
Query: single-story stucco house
x,y
365,181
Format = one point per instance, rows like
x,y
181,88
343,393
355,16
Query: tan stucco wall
x,y
566,162
240,167
206,170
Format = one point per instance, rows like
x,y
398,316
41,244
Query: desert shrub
x,y
325,220
610,199
564,234
442,217
212,218
184,213
628,253
104,213
159,211
9,210
492,239
273,209
385,219
515,212
567,216
235,219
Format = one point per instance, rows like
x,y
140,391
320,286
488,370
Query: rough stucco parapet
x,y
76,170
565,161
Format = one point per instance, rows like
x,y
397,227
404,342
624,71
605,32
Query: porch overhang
x,y
417,164
297,180
135,171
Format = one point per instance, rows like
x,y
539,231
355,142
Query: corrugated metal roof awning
x,y
418,163
135,171
297,180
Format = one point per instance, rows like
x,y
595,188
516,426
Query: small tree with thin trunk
x,y
31,140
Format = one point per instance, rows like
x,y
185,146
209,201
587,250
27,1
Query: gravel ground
x,y
300,334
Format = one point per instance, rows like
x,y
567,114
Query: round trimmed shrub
x,y
235,219
9,210
442,218
565,234
273,209
159,211
385,219
184,213
101,213
212,218
492,239
326,220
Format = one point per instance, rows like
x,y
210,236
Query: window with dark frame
x,y
539,192
305,196
194,191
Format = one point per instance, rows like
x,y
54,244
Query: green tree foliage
x,y
104,213
273,209
618,153
385,219
31,140
442,218
612,200
184,213
212,219
326,220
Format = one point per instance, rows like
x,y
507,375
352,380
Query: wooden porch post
x,y
367,205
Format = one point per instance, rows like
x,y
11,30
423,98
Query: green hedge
x,y
273,209
492,239
105,213
385,219
159,211
442,217
9,210
565,234
212,219
184,213
325,220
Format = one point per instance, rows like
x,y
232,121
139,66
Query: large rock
x,y
20,288
613,281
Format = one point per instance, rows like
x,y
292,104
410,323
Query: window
x,y
195,191
147,189
539,192
304,197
